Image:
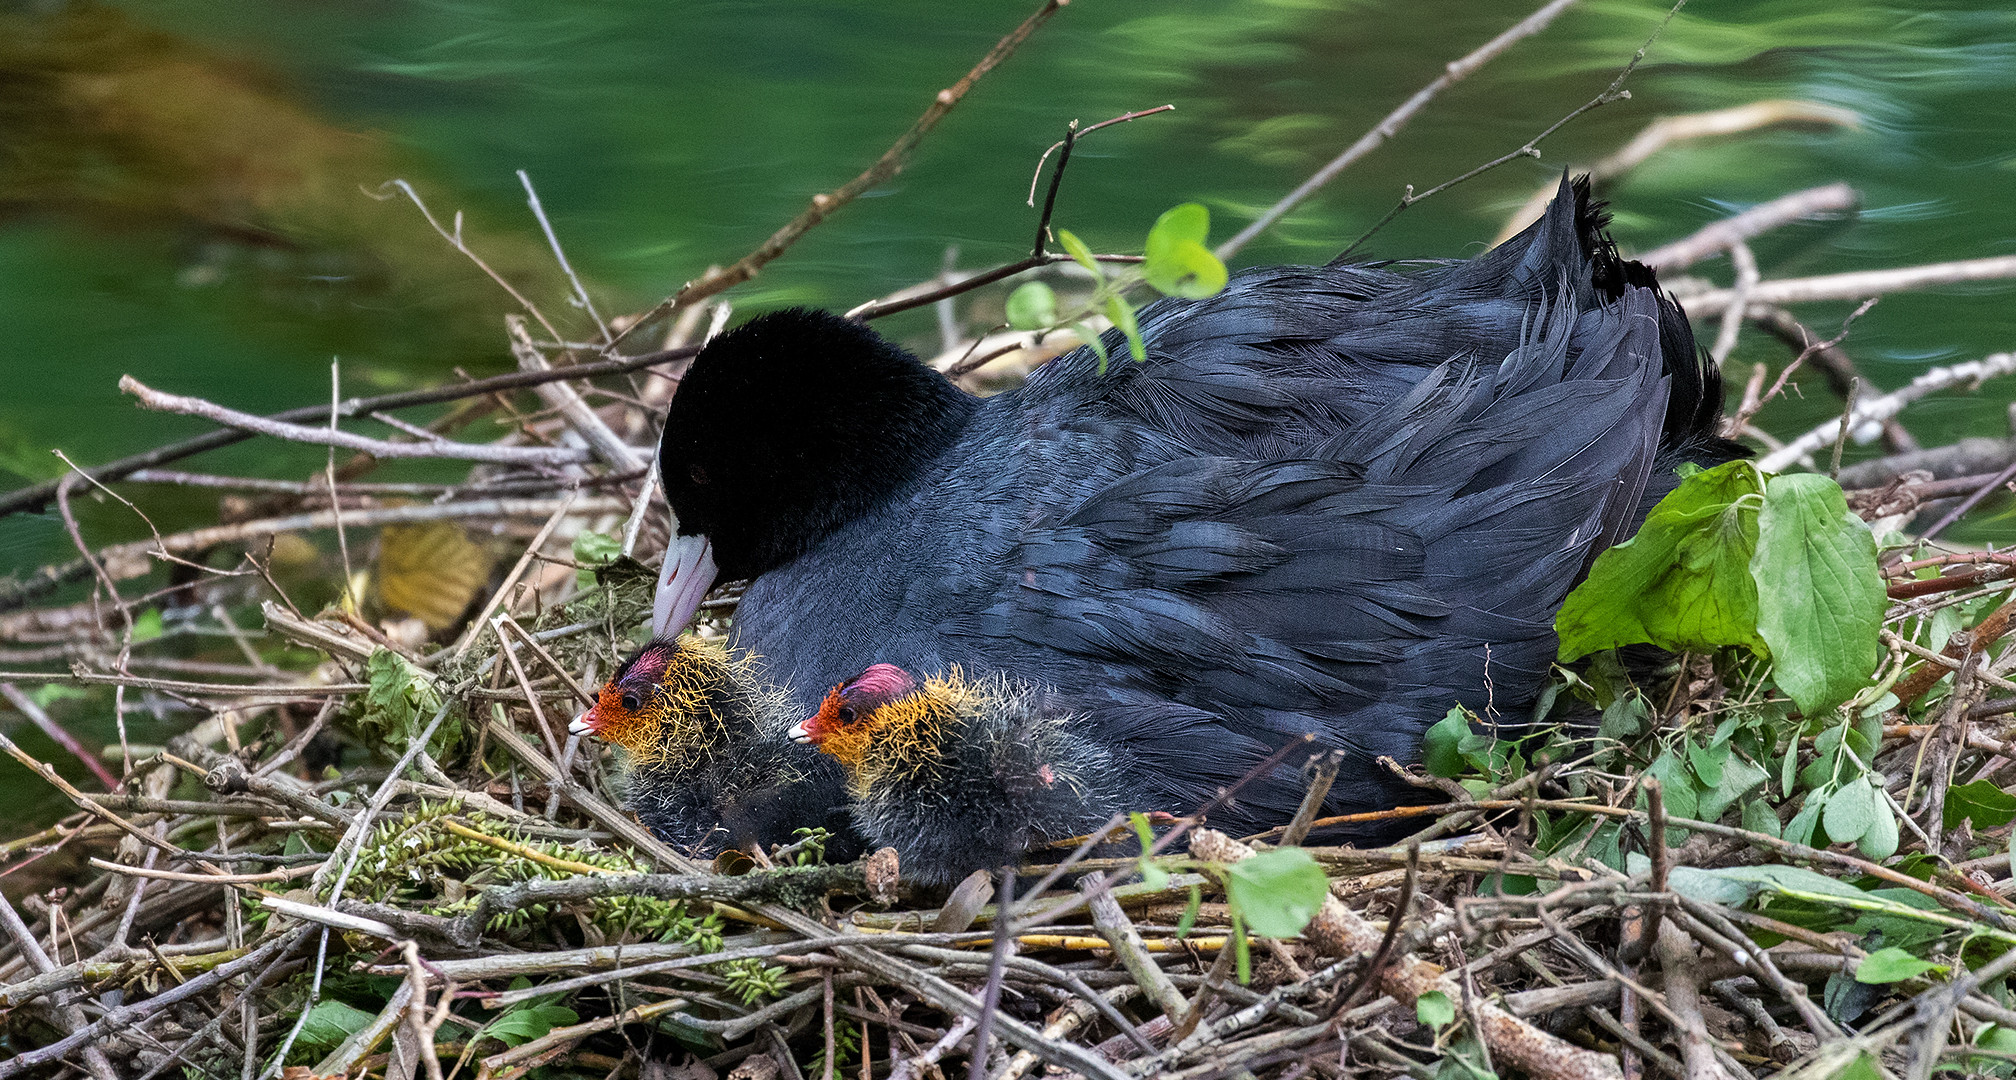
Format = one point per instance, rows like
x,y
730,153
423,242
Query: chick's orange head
x,y
625,711
851,702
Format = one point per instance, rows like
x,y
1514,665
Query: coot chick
x,y
708,758
1333,500
960,774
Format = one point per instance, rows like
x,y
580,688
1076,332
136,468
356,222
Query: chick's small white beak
x,y
800,734
582,725
688,573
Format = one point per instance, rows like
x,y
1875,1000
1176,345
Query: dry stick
x,y
1720,236
1888,405
98,569
482,620
1678,962
1338,931
888,165
159,401
1323,776
1614,92
905,300
1741,420
561,397
1666,131
1064,143
1114,925
36,495
60,737
72,1014
1732,319
560,255
1452,74
1984,633
118,1018
1855,285
1971,501
580,692
1383,955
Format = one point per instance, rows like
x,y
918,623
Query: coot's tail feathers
x,y
1573,238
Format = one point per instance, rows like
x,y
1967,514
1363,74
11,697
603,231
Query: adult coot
x,y
1334,500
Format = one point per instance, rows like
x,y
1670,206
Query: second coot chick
x,y
708,759
1333,500
960,774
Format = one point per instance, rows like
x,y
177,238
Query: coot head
x,y
784,429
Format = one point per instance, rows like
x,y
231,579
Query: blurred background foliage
x,y
184,184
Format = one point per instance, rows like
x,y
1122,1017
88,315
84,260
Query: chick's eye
x,y
846,714
630,703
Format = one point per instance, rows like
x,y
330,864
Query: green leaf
x,y
1758,817
1122,314
1980,802
1189,222
1435,1009
592,550
1683,583
1862,1068
1276,892
1190,910
1079,253
1851,810
1441,748
1739,778
521,1026
1821,597
1092,342
1880,842
1177,262
401,702
330,1022
1032,306
1889,966
147,626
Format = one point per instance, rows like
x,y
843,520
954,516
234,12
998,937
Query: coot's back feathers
x,y
1333,499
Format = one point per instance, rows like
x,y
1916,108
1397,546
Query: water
x,y
184,198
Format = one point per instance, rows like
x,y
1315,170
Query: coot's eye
x,y
630,703
698,474
846,714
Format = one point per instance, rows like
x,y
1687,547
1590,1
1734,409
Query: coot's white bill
x,y
688,574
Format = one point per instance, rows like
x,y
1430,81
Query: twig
x,y
482,620
36,495
1723,235
118,1018
1855,285
560,255
1888,405
1065,145
889,164
1114,925
158,401
56,734
1732,318
1614,92
1452,73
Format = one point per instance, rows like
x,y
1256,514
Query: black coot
x,y
1333,499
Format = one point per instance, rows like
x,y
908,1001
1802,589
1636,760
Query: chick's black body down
x,y
1334,500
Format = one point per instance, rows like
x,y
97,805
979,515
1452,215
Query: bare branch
x,y
889,164
1856,285
1452,74
1721,235
496,455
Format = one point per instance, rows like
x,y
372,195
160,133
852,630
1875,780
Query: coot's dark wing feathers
x,y
1386,564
